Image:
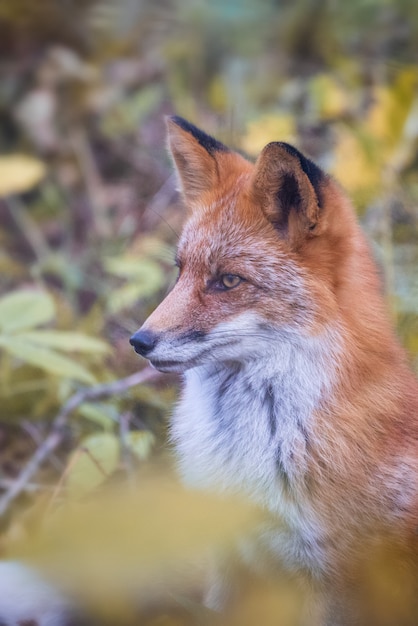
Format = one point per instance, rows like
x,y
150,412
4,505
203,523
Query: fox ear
x,y
287,185
195,157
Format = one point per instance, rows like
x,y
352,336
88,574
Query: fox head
x,y
256,258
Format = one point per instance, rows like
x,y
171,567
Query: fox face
x,y
220,305
242,274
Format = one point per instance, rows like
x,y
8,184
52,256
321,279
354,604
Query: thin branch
x,y
57,489
160,201
56,433
93,181
7,483
32,430
28,226
126,456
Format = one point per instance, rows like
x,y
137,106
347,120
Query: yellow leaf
x,y
19,173
217,95
329,98
357,166
270,127
392,106
121,535
92,462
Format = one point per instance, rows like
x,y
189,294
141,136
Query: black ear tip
x,y
210,144
311,169
176,119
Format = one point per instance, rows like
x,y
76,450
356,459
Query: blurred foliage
x,y
89,214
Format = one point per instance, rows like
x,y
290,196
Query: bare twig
x,y
126,453
165,194
56,433
34,433
57,489
93,181
28,226
7,483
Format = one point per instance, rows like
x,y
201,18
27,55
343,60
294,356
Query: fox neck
x,y
248,426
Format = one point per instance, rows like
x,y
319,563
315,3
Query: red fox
x,y
296,391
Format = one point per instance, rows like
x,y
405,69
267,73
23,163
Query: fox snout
x,y
143,342
164,350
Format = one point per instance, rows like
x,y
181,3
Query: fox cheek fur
x,y
296,391
200,320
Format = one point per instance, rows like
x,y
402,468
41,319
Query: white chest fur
x,y
247,428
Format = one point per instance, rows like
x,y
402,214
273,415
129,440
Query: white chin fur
x,y
238,339
167,368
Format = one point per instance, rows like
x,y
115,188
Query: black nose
x,y
143,341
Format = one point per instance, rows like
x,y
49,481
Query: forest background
x,y
89,214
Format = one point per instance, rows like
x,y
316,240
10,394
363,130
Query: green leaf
x,y
125,116
145,277
66,341
131,267
46,359
140,442
125,297
25,309
100,413
92,463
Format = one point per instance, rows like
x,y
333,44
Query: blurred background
x,y
89,214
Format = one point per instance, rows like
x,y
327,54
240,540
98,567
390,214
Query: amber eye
x,y
228,281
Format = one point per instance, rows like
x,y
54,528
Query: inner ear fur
x,y
287,186
195,157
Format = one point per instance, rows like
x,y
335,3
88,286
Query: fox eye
x,y
229,281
